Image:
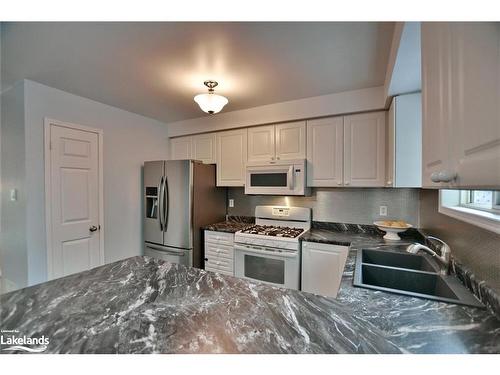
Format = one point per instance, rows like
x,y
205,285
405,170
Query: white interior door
x,y
74,201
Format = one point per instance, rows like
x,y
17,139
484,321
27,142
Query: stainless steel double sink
x,y
416,275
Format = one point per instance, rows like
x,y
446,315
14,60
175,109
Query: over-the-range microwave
x,y
283,177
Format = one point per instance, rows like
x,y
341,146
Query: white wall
x,y
129,139
13,245
363,100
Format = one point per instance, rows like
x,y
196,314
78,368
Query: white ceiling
x,y
155,69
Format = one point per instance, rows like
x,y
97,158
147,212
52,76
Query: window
x,y
486,200
477,207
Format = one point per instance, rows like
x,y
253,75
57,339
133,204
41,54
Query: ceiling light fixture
x,y
211,103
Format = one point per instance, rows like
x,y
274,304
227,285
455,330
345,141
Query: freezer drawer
x,y
169,254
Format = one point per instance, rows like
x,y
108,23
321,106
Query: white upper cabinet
x,y
475,104
198,147
261,144
364,149
231,157
325,149
180,148
436,61
277,142
203,148
461,100
290,141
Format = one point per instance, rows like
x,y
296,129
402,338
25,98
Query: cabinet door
x,y
231,157
475,126
180,148
436,80
204,148
291,141
322,268
325,151
261,145
390,168
364,149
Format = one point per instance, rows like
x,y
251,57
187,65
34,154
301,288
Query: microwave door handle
x,y
159,203
290,177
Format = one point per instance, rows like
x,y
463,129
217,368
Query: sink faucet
x,y
444,258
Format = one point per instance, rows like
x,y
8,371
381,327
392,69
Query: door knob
x,y
93,228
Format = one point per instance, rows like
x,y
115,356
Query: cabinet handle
x,y
277,158
346,183
443,176
447,176
272,157
339,183
389,182
435,177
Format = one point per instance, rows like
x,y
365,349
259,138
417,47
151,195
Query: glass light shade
x,y
211,103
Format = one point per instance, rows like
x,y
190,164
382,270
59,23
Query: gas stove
x,y
269,251
276,227
275,231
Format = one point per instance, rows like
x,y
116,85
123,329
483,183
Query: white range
x,y
269,251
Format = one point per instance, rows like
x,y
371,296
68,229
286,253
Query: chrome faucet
x,y
444,258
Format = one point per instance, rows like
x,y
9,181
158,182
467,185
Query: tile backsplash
x,y
346,205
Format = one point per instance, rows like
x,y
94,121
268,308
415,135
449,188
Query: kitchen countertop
x,y
146,305
232,225
414,325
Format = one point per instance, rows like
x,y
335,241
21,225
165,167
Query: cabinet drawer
x,y
219,237
221,265
218,250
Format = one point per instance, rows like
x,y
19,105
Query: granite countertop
x,y
414,325
232,225
146,305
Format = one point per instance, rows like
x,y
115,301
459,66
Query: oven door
x,y
274,180
267,265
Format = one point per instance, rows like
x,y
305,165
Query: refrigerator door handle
x,y
180,253
166,198
160,203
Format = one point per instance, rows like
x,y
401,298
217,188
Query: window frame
x,y
466,198
450,204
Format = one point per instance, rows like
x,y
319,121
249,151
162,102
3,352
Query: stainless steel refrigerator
x,y
180,197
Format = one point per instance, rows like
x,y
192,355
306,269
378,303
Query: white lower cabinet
x,y
219,252
322,267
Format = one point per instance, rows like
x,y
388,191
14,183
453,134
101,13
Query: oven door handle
x,y
259,250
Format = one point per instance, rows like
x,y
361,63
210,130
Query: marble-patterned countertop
x,y
232,225
146,305
414,325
